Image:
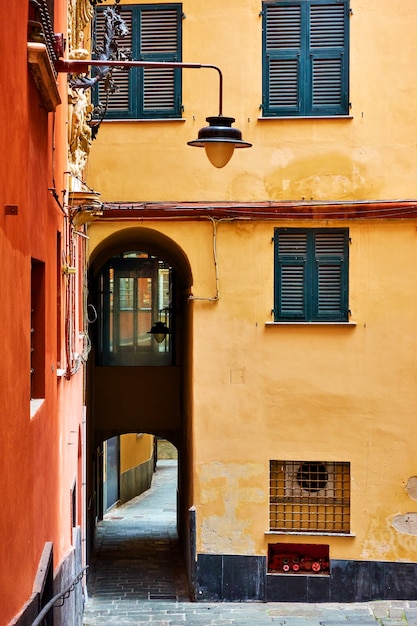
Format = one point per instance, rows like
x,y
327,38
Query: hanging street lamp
x,y
218,138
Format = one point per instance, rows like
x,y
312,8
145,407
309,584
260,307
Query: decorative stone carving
x,y
80,13
79,135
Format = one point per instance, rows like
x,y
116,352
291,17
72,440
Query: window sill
x,y
304,117
44,75
310,534
35,405
144,119
295,323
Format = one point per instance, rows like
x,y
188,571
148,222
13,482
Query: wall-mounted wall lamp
x,y
159,330
219,138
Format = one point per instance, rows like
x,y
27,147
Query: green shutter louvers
x,y
305,57
154,35
311,274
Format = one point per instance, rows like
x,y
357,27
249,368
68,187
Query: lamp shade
x,y
159,330
219,140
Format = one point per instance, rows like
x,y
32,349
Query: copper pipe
x,y
275,210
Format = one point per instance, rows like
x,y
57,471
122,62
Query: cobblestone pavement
x,y
137,577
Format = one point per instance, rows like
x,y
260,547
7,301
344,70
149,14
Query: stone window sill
x,y
277,118
295,323
304,534
44,75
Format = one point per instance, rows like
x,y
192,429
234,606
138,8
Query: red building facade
x,y
41,369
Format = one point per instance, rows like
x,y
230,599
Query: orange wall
x,y
38,455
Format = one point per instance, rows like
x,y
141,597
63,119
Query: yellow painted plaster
x,y
134,450
368,155
312,392
229,501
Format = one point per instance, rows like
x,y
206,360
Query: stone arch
x,y
152,240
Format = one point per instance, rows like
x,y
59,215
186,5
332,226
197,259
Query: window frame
x,y
307,282
114,345
299,58
37,330
137,108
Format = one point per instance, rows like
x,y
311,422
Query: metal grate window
x,y
309,496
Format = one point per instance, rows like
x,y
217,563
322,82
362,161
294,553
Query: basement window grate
x,y
309,496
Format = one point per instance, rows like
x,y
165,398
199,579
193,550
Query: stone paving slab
x,y
158,613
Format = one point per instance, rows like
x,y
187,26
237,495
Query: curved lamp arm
x,y
80,66
219,138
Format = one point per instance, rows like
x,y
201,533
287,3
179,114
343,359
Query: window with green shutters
x,y
311,274
154,35
305,58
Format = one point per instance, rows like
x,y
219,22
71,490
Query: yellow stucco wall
x,y
262,392
334,393
134,450
368,156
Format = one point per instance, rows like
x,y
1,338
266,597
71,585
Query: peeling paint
x,y
411,487
335,176
234,496
406,523
387,542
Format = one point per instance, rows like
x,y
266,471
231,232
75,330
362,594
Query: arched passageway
x,y
137,556
137,382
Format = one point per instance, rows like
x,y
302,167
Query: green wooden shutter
x,y
121,102
305,57
311,274
154,35
160,41
290,274
282,56
328,52
330,275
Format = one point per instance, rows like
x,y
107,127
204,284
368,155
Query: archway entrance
x,y
137,381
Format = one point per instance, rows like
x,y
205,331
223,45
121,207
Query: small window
x,y
311,274
58,298
154,34
305,57
310,496
37,331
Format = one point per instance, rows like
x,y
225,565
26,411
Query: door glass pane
x,y
144,312
126,311
109,325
